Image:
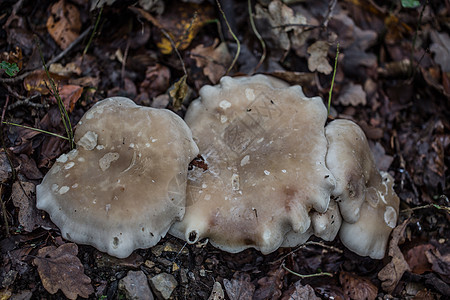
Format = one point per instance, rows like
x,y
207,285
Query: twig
x,y
439,207
331,5
53,60
70,47
93,32
124,61
12,92
175,48
304,246
62,109
238,51
27,102
332,80
307,275
36,129
261,40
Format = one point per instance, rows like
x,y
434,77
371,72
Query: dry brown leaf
x,y
272,24
69,95
300,292
417,260
240,287
179,92
213,60
38,82
64,23
22,198
156,80
441,49
391,274
270,286
59,268
318,59
352,94
357,287
440,263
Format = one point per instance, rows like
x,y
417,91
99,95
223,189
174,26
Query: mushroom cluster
x,y
273,174
125,183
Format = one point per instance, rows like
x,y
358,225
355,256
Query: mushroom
x,y
367,201
324,225
264,146
125,183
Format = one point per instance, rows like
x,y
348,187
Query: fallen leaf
x,y
69,95
5,167
417,260
391,274
213,60
179,92
59,268
270,286
67,70
318,59
272,25
240,287
22,196
352,94
441,49
64,23
156,80
39,82
27,167
440,263
357,287
300,292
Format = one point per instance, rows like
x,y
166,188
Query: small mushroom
x,y
367,201
125,183
264,146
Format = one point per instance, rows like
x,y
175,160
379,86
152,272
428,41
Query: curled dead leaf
x,y
357,287
391,274
59,268
64,23
240,287
318,59
213,60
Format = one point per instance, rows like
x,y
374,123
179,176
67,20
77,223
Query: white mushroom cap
x,y
265,148
125,184
370,234
367,201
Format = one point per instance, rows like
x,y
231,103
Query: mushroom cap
x,y
264,145
125,183
324,225
370,234
367,201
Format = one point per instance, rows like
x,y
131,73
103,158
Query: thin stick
x,y
307,275
62,109
238,51
53,60
439,207
175,48
5,217
332,80
93,32
36,129
261,40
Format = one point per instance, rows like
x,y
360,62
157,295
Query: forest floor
x,y
392,78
